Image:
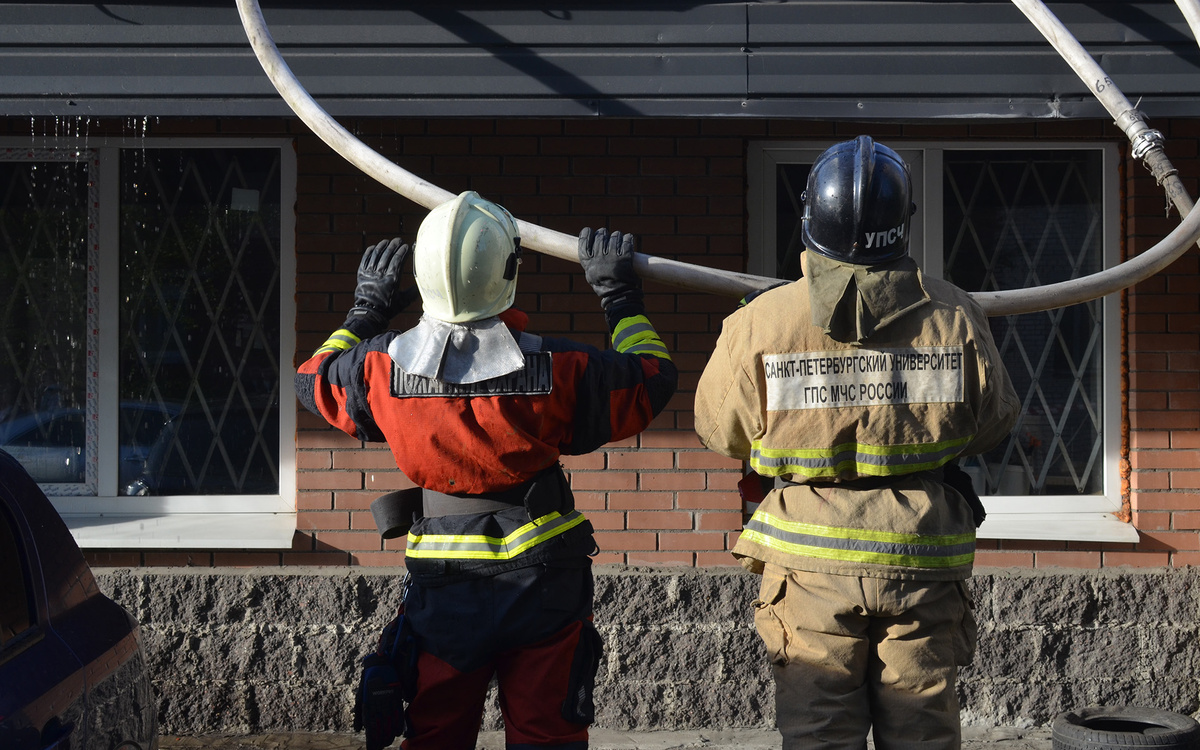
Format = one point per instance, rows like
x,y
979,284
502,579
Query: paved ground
x,y
974,738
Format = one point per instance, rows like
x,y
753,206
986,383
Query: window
x,y
998,216
148,328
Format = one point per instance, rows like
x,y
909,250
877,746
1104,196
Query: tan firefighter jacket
x,y
857,431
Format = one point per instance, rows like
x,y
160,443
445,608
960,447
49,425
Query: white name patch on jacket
x,y
864,377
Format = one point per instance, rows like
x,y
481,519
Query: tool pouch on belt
x,y
388,684
954,477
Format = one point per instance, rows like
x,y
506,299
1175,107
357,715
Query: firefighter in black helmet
x,y
855,389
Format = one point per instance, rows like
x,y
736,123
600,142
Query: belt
x,y
436,504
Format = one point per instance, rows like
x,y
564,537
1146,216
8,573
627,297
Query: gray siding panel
x,y
800,59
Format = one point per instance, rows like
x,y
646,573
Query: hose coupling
x,y
1145,142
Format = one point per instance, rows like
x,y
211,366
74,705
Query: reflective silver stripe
x,y
481,547
865,460
861,545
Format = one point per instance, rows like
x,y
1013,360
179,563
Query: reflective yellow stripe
x,y
635,335
338,341
864,460
860,545
482,547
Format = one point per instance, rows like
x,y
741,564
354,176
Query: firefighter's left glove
x,y
607,260
378,297
378,707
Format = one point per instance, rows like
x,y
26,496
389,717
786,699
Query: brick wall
x,y
680,185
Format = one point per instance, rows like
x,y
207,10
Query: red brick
x,y
716,560
1067,559
1155,539
1167,459
1185,480
719,521
1003,559
354,500
604,480
245,559
1136,559
1143,521
181,559
327,438
692,541
672,481
310,521
1150,480
589,462
724,482
387,481
1188,520
378,559
685,559
1148,439
1165,501
708,460
314,460
1185,439
347,540
314,500
329,480
603,520
363,520
709,500
641,501
316,558
1185,559
658,519
364,459
636,460
669,439
627,540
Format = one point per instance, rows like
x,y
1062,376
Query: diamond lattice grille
x,y
43,304
1021,219
199,315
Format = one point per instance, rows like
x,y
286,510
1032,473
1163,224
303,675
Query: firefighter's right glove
x,y
379,709
378,297
607,260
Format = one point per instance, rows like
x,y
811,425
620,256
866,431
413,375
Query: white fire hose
x,y
1147,145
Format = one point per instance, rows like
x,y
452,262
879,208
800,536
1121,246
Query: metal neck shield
x,y
457,352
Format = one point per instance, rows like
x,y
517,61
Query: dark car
x,y
72,671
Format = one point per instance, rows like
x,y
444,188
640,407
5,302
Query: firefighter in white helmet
x,y
477,412
854,389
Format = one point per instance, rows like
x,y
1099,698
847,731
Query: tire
x,y
1102,728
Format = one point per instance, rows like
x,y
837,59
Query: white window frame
x,y
111,521
1043,517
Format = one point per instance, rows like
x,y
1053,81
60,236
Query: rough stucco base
x,y
261,650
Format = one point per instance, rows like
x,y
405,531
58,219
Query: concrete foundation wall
x,y
268,649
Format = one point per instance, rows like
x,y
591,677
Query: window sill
x,y
182,531
1075,527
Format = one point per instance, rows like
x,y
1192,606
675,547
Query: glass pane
x,y
200,331
1017,219
790,180
43,324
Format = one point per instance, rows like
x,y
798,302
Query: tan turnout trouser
x,y
856,654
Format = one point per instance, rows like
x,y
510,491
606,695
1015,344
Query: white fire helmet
x,y
465,259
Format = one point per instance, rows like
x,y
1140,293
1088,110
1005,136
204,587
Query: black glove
x,y
379,706
607,261
378,297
